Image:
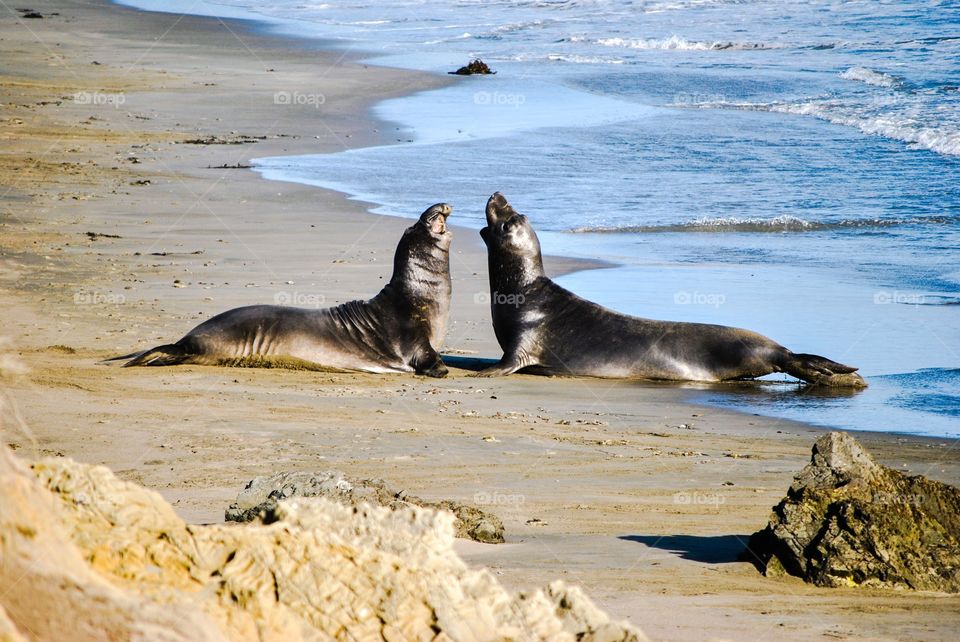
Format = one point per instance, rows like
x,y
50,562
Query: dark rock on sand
x,y
474,67
258,501
848,521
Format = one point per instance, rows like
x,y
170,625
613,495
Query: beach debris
x,y
93,236
474,67
94,557
260,497
849,521
224,140
234,166
31,14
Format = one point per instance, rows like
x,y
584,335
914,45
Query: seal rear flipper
x,y
166,355
822,371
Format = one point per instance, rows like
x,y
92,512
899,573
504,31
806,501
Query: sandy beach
x,y
127,216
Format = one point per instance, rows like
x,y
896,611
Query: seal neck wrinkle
x,y
510,273
421,270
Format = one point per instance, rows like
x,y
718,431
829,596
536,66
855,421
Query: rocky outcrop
x,y
258,500
472,68
848,521
86,556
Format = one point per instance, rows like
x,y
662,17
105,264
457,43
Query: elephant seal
x,y
401,329
545,329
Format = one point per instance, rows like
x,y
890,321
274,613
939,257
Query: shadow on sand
x,y
709,549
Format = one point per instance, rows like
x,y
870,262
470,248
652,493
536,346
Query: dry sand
x,y
621,487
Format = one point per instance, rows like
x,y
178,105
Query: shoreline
x,y
595,462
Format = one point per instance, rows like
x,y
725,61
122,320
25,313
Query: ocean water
x,y
792,168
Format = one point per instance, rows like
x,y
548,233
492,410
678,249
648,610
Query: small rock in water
x,y
473,68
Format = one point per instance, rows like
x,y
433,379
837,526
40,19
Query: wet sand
x,y
117,233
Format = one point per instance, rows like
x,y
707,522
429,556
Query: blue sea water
x,y
789,167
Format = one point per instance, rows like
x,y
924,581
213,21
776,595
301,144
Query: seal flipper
x,y
166,355
429,363
507,365
821,371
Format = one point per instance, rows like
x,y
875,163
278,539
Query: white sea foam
x,y
517,26
782,223
891,118
464,36
676,42
585,60
870,77
897,125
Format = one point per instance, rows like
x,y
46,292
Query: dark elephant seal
x,y
401,329
546,329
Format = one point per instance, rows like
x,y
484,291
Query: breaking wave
x,y
897,120
783,223
678,43
870,77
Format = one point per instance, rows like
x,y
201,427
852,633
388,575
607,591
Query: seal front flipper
x,y
429,363
506,365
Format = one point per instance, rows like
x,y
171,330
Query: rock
x,y
259,498
473,67
62,566
8,631
848,521
94,557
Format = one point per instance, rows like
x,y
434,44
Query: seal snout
x,y
498,209
435,217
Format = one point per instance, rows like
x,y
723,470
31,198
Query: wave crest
x,y
782,223
678,43
871,77
894,120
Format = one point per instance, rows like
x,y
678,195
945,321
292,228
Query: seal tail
x,y
166,355
820,370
